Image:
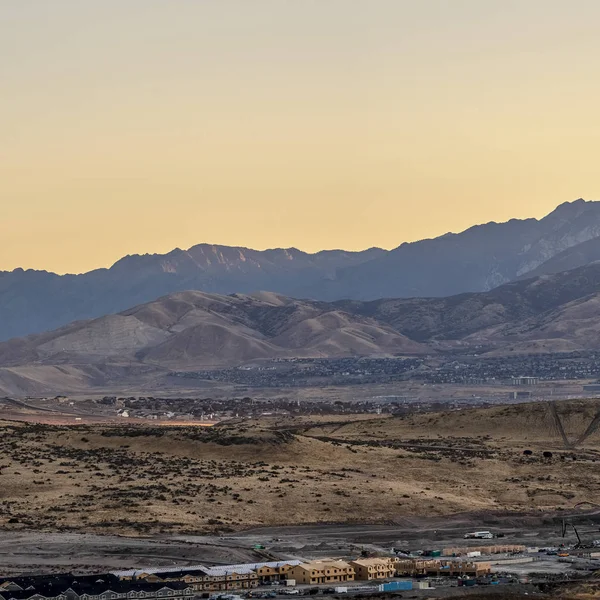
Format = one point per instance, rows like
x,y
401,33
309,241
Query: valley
x,y
199,426
299,298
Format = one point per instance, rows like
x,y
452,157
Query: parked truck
x,y
479,535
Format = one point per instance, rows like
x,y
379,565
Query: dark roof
x,y
103,577
59,580
92,588
24,594
181,573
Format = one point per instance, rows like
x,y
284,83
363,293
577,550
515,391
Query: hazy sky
x,y
142,125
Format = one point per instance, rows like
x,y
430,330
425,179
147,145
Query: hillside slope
x,y
533,425
199,329
478,259
531,307
576,256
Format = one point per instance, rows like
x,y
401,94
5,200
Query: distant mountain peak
x,y
476,259
574,207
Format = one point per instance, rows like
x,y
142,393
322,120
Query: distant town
x,y
450,368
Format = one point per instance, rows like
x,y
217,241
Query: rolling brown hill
x,y
560,308
199,329
530,425
570,327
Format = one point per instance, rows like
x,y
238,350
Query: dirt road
x,y
29,552
47,552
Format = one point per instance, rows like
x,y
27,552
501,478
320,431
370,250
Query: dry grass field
x,y
141,480
503,426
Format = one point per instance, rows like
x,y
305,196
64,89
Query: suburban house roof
x,y
218,571
320,565
371,562
91,589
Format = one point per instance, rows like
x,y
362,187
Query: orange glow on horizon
x,y
148,125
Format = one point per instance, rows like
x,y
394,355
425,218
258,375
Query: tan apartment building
x,y
210,580
221,578
367,569
462,567
496,549
274,572
437,567
322,571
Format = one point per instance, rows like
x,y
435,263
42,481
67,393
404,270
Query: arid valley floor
x,y
410,476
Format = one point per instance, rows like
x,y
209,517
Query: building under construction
x,y
414,567
496,549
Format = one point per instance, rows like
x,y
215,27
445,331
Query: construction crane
x,y
567,523
565,526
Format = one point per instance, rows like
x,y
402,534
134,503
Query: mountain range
x,y
196,328
476,260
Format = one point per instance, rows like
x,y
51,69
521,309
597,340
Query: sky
x,y
134,126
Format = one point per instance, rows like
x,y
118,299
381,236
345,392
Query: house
x,y
461,567
234,577
206,580
275,571
215,579
525,380
196,579
367,569
439,567
322,571
82,590
133,591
